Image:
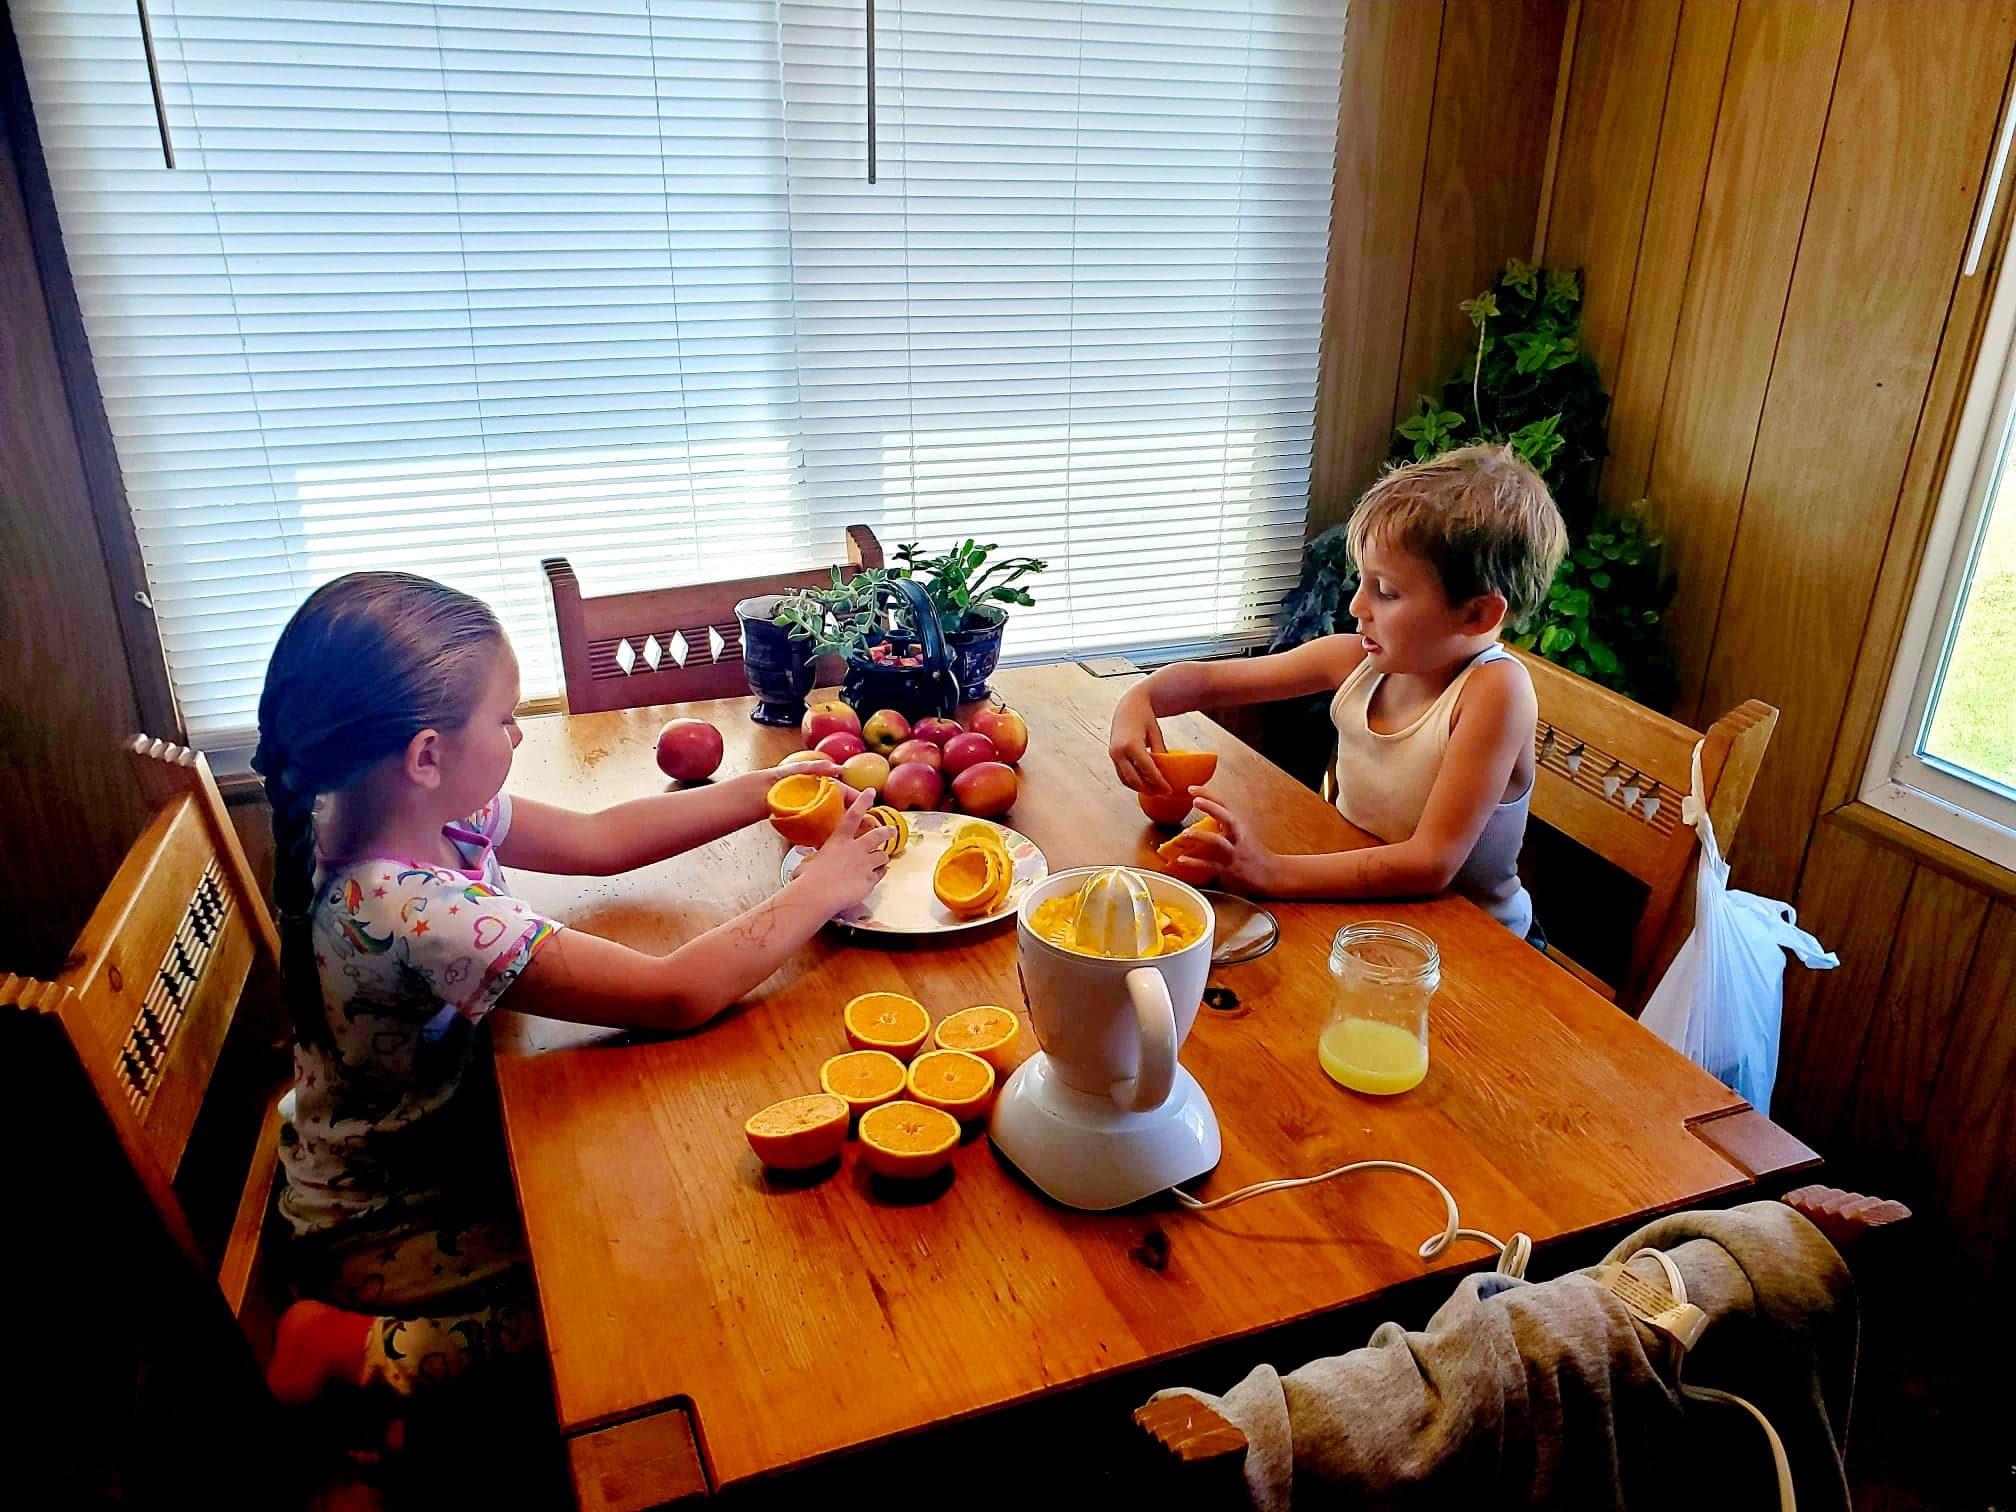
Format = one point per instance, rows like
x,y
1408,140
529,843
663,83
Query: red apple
x,y
688,750
970,749
919,751
864,770
913,786
885,730
830,718
841,746
986,789
1008,731
937,729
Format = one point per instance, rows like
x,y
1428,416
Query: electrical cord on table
x,y
1512,1257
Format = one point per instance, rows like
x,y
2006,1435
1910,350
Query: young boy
x,y
1434,718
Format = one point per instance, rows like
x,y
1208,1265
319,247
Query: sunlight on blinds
x,y
454,287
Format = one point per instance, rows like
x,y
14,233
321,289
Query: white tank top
x,y
1383,782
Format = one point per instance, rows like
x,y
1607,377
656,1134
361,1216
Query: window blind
x,y
451,288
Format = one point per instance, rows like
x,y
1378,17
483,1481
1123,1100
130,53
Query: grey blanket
x,y
1551,1394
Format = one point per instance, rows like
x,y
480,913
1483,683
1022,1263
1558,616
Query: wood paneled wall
x,y
1441,155
1771,202
69,803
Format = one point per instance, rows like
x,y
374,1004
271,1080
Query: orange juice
x,y
1368,1056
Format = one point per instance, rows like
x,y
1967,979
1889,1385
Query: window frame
x,y
1964,808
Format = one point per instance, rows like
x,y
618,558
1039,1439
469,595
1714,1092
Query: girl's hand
x,y
1235,855
850,863
1133,736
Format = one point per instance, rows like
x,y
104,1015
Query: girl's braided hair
x,y
369,661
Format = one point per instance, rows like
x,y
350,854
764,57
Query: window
x,y
1945,752
456,287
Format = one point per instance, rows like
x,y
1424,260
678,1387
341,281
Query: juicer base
x,y
1083,1151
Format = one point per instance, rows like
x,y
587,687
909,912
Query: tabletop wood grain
x,y
797,1319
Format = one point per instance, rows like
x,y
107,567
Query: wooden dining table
x,y
711,1324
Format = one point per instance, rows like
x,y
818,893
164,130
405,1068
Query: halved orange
x,y
799,1132
987,1031
886,1021
1182,770
805,809
967,879
907,1140
883,817
961,1084
864,1078
1177,847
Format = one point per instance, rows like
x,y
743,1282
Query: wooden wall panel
x,y
1387,99
1851,899
1970,1124
1930,957
1609,146
1908,142
69,804
1690,104
1796,342
1767,141
1487,151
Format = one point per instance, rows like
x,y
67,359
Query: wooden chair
x,y
670,645
140,1016
1612,777
1210,1453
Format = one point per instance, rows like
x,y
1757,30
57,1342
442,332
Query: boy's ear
x,y
423,759
1484,614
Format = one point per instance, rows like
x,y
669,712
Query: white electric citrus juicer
x,y
1104,1114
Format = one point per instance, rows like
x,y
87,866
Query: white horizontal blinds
x,y
1079,313
454,287
444,288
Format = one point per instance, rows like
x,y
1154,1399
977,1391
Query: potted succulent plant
x,y
969,593
887,631
904,631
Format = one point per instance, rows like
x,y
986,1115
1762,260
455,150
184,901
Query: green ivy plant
x,y
1603,610
1528,384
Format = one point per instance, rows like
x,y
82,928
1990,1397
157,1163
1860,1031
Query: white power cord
x,y
1676,1287
1512,1257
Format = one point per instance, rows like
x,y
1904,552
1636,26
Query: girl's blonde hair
x,y
1478,515
369,661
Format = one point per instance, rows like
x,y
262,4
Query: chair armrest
x,y
1846,1218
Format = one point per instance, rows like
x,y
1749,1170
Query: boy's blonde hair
x,y
1478,515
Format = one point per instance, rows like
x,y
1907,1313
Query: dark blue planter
x,y
976,651
779,670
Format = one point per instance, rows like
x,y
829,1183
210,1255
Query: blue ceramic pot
x,y
976,651
779,669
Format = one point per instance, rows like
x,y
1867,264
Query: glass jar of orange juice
x,y
1381,978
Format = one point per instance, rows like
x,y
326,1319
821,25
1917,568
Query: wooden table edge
x,y
644,1459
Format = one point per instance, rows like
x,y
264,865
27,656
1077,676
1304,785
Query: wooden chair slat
x,y
1618,745
590,632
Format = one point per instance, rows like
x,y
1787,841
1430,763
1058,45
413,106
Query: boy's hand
x,y
850,863
1133,736
1235,855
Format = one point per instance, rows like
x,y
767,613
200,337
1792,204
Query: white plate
x,y
903,903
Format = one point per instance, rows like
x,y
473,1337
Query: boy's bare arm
x,y
1317,667
1496,716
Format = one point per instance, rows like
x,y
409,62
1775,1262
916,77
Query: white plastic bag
x,y
1721,1000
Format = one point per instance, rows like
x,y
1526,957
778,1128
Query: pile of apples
x,y
912,765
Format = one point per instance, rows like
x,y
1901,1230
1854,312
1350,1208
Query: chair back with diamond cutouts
x,y
671,645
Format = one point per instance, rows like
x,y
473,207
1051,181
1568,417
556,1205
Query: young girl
x,y
385,734
1434,718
